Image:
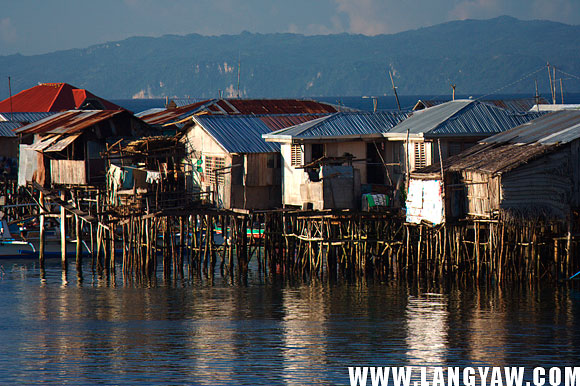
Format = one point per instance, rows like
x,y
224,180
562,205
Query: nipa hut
x,y
65,148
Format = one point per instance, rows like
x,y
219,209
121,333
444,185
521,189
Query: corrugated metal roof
x,y
68,121
239,107
7,129
238,134
52,97
44,142
482,119
425,104
270,106
24,118
62,143
461,118
424,121
151,111
342,125
181,102
515,105
553,128
278,122
506,151
171,116
550,107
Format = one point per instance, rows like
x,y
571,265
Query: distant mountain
x,y
479,56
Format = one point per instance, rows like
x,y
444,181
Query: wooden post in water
x,y
477,255
42,225
568,247
63,232
78,234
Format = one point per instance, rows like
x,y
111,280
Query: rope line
x,y
514,82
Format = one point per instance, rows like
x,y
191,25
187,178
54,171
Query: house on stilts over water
x,y
531,171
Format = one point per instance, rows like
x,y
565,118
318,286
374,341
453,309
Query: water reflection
x,y
427,329
304,334
116,332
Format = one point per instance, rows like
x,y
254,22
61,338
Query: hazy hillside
x,y
478,56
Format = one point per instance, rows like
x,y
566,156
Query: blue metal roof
x,y
24,118
238,133
462,118
7,127
343,124
515,105
180,102
558,127
482,119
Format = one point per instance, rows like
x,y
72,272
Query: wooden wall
x,y
66,172
482,193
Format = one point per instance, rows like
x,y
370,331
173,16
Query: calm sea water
x,y
364,103
107,331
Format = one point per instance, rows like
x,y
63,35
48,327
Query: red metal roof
x,y
53,97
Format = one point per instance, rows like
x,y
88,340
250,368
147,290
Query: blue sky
x,y
39,26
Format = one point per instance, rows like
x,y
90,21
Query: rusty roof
x,y
269,106
72,121
278,122
174,115
240,107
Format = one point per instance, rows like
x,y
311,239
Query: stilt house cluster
x,y
318,189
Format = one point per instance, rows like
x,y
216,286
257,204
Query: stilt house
x,y
65,148
445,130
231,160
531,171
347,146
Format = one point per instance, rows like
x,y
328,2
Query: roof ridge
x,y
317,122
52,102
455,115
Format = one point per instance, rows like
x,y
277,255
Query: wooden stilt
x,y
63,233
42,232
